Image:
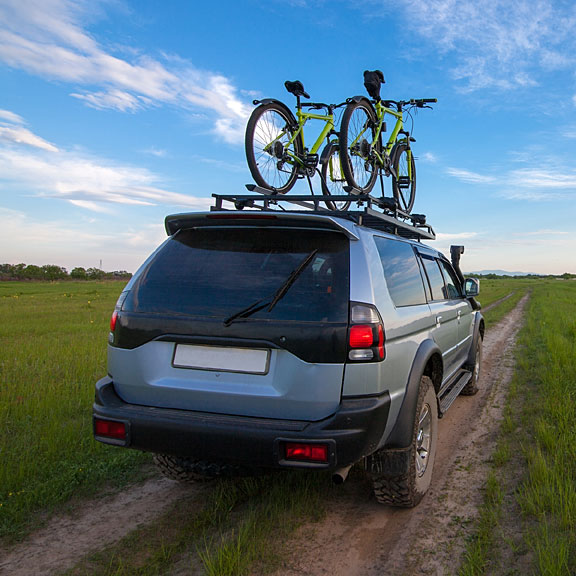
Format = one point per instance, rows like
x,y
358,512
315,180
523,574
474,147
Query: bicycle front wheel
x,y
272,151
333,180
404,183
357,142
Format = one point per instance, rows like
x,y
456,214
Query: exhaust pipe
x,y
340,475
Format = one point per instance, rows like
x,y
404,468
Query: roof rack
x,y
378,213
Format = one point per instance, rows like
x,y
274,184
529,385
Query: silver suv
x,y
253,340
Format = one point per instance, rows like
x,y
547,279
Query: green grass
x,y
509,289
228,527
535,463
52,350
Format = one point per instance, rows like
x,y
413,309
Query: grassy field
x,y
53,349
528,524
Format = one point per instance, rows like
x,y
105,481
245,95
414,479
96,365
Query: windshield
x,y
221,273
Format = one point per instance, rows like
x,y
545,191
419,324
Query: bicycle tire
x,y
404,183
333,179
358,162
270,160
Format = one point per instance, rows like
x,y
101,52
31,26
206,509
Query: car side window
x,y
401,271
435,278
453,287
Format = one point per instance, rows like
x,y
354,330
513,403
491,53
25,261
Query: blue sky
x,y
115,113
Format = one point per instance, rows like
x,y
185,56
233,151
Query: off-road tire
x,y
406,490
472,387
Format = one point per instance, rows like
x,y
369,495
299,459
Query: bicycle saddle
x,y
372,81
296,88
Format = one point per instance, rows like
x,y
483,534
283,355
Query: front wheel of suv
x,y
472,387
406,490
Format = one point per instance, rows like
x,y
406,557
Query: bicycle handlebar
x,y
418,102
320,105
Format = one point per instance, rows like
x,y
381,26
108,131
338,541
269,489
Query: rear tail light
x,y
110,429
366,335
304,452
114,318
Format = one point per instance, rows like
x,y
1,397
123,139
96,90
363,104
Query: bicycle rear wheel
x,y
272,159
404,183
333,179
357,132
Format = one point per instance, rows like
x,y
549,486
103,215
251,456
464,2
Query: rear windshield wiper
x,y
277,296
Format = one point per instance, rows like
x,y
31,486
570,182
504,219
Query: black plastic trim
x,y
353,432
401,435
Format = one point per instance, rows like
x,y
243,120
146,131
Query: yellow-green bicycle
x,y
277,154
364,155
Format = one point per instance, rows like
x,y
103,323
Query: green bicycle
x,y
365,156
276,152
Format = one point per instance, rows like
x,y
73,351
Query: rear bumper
x,y
353,432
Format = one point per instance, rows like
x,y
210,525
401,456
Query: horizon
x,y
115,114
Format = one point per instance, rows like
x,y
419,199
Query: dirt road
x,y
363,538
358,536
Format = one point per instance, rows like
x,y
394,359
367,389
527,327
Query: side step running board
x,y
452,389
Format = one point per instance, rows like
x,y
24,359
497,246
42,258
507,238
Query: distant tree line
x,y
492,276
52,272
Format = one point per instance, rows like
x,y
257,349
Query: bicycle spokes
x,y
271,148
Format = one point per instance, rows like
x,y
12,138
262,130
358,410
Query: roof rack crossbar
x,y
372,212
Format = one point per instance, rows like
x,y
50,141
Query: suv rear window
x,y
219,272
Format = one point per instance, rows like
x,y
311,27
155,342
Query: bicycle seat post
x,y
298,104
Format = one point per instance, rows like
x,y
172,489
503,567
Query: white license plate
x,y
221,359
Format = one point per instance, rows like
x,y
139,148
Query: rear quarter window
x,y
402,272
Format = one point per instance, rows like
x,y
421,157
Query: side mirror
x,y
471,287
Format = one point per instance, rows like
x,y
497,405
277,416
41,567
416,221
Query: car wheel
x,y
407,489
472,387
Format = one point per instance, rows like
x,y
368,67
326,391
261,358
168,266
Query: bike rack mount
x,y
378,213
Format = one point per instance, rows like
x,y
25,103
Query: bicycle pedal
x,y
404,182
311,160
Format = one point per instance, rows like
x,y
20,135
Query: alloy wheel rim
x,y
423,440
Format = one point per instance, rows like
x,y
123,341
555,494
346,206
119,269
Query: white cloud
x,y
40,168
428,157
543,179
115,99
48,38
19,135
544,232
455,236
71,243
555,182
468,176
11,117
498,43
159,153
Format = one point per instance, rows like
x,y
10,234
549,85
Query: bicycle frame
x,y
383,160
381,111
302,118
